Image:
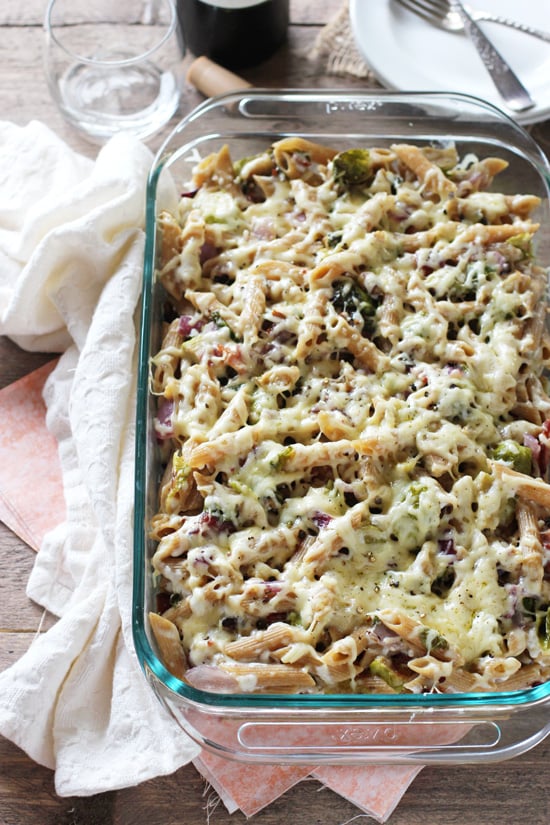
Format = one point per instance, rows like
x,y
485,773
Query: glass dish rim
x,y
149,661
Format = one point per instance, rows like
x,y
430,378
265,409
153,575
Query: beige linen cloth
x,y
336,49
71,250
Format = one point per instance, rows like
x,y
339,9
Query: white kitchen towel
x,y
71,249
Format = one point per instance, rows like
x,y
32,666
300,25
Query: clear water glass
x,y
114,65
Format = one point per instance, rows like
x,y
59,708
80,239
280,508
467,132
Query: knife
x,y
513,92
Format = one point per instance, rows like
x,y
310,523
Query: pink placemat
x,y
31,488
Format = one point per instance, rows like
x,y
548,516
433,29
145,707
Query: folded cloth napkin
x,y
71,246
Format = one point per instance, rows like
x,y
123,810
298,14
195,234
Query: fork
x,y
510,88
439,13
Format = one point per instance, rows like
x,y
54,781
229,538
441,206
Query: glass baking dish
x,y
340,728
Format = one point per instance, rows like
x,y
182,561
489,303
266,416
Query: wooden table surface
x,y
505,793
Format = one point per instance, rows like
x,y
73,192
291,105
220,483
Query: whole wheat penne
x,y
280,378
163,524
460,681
209,305
336,426
234,415
304,456
519,679
365,351
285,151
335,535
532,560
352,424
429,173
516,641
216,169
183,270
252,677
430,666
168,639
500,669
340,671
171,238
496,233
530,489
276,636
313,323
253,308
299,654
416,633
277,270
209,453
178,491
329,270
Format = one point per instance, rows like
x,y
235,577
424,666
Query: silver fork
x,y
509,86
439,13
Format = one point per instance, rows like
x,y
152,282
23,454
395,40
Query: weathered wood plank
x,y
17,611
460,795
13,645
302,12
15,362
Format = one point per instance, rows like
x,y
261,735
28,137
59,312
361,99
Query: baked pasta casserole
x,y
354,419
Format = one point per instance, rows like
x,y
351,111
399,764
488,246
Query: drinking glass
x,y
114,65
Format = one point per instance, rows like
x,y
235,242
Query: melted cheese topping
x,y
352,403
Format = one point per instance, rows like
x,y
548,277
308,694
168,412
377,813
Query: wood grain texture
x,y
504,794
13,13
17,612
15,362
493,794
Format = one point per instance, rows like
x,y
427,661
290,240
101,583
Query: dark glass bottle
x,y
233,33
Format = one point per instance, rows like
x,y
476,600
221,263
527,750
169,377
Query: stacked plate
x,y
407,53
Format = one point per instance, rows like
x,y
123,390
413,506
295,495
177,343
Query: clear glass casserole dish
x,y
336,728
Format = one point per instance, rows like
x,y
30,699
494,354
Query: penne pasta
x,y
353,415
254,677
530,546
431,176
253,308
527,488
277,636
168,639
288,154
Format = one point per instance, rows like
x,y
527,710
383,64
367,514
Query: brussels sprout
x,y
352,167
217,319
351,298
523,242
333,239
534,611
544,630
443,583
181,481
281,459
181,472
515,455
432,640
380,667
415,490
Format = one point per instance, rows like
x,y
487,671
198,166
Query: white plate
x,y
409,54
